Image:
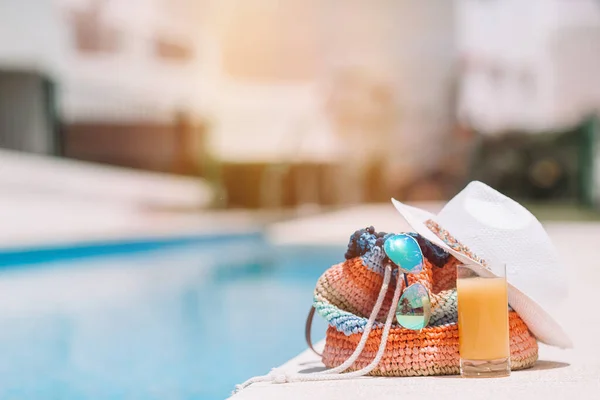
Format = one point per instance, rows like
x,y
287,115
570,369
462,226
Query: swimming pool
x,y
181,322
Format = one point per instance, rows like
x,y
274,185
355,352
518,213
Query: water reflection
x,y
164,324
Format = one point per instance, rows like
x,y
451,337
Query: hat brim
x,y
544,327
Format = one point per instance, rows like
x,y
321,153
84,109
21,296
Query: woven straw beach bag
x,y
345,296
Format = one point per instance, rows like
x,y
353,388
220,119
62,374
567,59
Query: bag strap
x,y
307,330
280,376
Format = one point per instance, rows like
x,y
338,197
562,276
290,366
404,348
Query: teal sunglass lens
x,y
404,251
414,308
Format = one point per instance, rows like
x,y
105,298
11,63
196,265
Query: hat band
x,y
451,241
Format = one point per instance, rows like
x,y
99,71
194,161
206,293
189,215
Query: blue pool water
x,y
182,322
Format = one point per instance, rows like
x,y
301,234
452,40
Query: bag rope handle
x,y
277,376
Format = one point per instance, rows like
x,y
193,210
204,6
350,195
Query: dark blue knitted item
x,y
432,252
363,240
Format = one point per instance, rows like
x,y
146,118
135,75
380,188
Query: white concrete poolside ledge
x,y
559,374
48,201
51,177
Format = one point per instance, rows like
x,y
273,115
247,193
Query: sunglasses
x,y
414,307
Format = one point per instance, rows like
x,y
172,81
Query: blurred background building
x,y
281,103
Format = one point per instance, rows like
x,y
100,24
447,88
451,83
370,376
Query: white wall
x,y
407,43
410,42
132,83
129,84
531,65
31,36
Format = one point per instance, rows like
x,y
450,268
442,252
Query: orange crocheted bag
x,y
346,294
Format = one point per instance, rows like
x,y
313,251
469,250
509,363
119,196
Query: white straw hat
x,y
481,226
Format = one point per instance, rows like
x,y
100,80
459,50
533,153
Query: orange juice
x,y
483,318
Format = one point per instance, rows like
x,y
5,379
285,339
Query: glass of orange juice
x,y
483,321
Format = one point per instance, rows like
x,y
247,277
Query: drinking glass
x,y
483,321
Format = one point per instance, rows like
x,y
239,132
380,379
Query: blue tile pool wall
x,y
12,257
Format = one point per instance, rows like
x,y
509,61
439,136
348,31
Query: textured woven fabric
x,y
432,351
345,295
